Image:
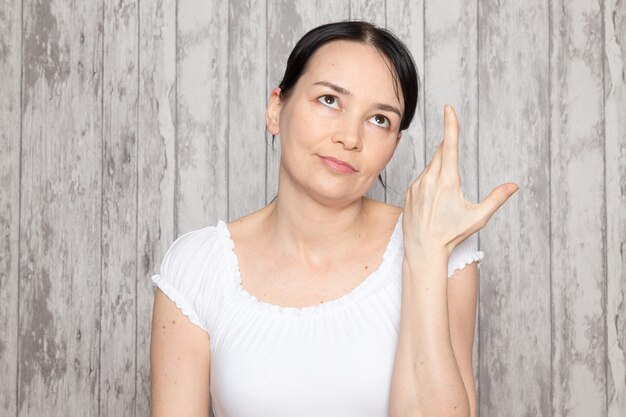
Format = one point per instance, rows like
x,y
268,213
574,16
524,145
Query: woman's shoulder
x,y
383,213
191,239
192,249
188,272
247,228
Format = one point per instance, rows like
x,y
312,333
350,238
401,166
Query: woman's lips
x,y
338,164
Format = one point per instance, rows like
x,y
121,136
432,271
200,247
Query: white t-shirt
x,y
331,359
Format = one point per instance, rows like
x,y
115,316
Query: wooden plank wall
x,y
514,130
125,124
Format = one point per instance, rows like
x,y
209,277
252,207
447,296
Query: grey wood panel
x,y
451,71
513,85
287,22
405,18
247,59
373,11
156,157
10,125
118,312
202,112
577,204
60,250
615,157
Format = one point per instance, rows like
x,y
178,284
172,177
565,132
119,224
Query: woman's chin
x,y
329,193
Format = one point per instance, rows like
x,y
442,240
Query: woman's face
x,y
344,107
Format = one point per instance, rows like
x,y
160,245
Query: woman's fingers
x,y
444,163
496,198
450,157
435,163
435,206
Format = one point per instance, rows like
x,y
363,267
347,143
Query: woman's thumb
x,y
496,198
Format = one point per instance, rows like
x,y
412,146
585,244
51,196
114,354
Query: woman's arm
x,y
180,360
426,378
462,296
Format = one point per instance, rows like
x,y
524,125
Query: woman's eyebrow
x,y
387,107
341,90
335,87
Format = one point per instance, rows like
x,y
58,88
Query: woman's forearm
x,y
426,379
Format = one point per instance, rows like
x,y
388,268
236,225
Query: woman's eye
x,y
381,120
327,100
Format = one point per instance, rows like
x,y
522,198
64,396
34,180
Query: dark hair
x,y
404,68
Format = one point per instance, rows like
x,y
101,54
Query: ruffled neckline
x,y
234,273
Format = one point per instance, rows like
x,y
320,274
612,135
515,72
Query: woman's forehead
x,y
355,66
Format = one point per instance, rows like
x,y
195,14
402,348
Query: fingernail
x,y
447,109
512,188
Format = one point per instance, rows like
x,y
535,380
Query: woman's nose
x,y
349,134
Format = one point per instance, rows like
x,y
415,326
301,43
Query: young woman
x,y
326,302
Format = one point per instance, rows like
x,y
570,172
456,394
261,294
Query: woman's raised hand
x,y
436,216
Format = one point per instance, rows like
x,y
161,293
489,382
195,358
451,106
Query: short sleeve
x,y
464,254
187,275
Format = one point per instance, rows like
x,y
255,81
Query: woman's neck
x,y
313,231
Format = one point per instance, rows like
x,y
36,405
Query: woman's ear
x,y
399,137
272,112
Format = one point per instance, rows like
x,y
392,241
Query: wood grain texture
x,y
156,156
10,126
451,68
202,113
247,29
405,18
373,11
513,85
577,207
287,22
118,312
60,250
615,156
